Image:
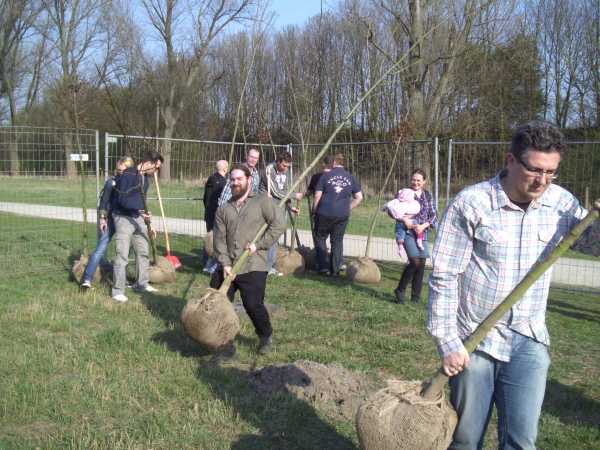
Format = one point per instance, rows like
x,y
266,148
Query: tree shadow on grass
x,y
562,304
343,281
571,405
573,311
282,420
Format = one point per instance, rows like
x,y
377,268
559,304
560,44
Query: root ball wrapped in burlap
x,y
363,270
162,272
289,262
78,270
398,418
211,320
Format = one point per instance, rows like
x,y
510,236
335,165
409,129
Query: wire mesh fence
x,y
188,163
469,162
370,163
42,174
41,199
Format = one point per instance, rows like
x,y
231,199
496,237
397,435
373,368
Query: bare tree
x,y
20,61
76,31
184,66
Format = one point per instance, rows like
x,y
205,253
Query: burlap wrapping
x,y
398,418
211,320
209,244
78,269
289,262
363,270
160,273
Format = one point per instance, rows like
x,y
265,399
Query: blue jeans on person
x,y
101,247
401,230
516,388
271,256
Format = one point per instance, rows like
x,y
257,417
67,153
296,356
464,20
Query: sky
x,y
296,12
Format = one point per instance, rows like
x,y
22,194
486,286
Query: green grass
x,y
81,371
58,192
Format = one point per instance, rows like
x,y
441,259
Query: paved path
x,y
567,271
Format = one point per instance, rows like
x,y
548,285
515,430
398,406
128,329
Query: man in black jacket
x,y
130,224
212,191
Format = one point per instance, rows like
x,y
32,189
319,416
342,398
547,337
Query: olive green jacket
x,y
237,226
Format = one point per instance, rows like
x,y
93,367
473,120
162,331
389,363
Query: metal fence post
x,y
291,152
449,174
97,164
436,153
105,156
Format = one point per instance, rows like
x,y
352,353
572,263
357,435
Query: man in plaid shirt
x,y
252,157
491,235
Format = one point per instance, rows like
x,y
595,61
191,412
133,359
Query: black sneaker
x,y
86,285
399,296
265,345
324,272
415,299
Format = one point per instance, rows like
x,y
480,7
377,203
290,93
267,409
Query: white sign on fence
x,y
80,157
111,140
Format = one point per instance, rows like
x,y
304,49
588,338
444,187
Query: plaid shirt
x,y
226,194
484,247
427,212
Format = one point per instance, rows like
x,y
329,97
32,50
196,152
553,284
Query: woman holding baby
x,y
414,215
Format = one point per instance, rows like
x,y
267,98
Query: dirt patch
x,y
331,388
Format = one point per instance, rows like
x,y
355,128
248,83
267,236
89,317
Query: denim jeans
x,y
272,256
100,251
334,228
516,388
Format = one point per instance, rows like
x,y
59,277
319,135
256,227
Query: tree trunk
x,y
70,168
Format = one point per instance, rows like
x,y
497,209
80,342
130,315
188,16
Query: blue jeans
x,y
516,388
100,251
272,256
400,230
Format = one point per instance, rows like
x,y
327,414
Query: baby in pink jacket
x,y
404,206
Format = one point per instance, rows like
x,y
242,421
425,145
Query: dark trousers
x,y
252,290
413,273
334,228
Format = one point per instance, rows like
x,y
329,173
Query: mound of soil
x,y
330,387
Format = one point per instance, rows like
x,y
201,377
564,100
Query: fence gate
x,y
42,173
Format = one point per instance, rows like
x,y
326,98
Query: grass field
x,y
81,371
59,192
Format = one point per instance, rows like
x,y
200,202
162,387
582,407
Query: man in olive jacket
x,y
236,224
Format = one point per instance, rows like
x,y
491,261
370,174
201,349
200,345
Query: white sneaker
x,y
86,285
275,272
146,288
121,298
